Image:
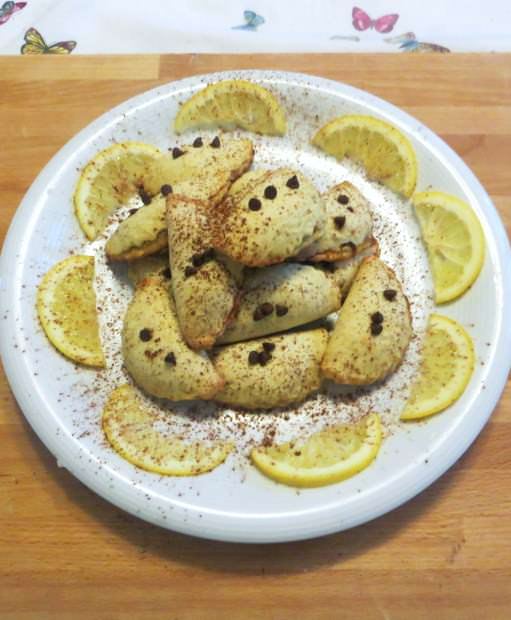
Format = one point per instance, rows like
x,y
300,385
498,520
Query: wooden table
x,y
66,553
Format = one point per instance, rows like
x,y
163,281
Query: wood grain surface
x,y
66,553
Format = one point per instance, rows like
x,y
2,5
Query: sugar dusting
x,y
400,247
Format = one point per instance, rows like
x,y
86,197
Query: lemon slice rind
x,y
461,366
233,103
128,426
386,154
96,195
72,279
441,253
286,463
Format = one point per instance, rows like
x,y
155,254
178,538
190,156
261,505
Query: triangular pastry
x,y
222,154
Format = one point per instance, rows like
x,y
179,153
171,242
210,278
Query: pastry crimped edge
x,y
345,253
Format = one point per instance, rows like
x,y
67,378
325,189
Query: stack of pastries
x,y
254,257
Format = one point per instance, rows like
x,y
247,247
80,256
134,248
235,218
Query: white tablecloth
x,y
135,26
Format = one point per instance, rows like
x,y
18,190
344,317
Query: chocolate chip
x,y
197,260
351,245
258,314
208,255
177,152
197,143
254,204
166,189
351,209
146,198
293,182
253,358
268,346
389,294
215,143
281,310
170,359
376,329
190,271
263,310
145,334
339,221
270,192
264,358
166,273
377,317
266,308
132,212
342,199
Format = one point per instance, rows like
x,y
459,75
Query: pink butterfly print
x,y
362,21
8,8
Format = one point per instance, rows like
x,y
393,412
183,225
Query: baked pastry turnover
x,y
204,173
280,297
204,290
155,352
268,217
373,328
348,226
271,372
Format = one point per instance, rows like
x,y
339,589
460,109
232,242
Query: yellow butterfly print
x,y
35,44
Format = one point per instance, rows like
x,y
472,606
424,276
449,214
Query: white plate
x,y
235,503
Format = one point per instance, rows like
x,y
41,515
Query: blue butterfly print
x,y
408,43
253,21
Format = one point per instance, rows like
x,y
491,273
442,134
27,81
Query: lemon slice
x,y
326,457
66,306
129,427
447,364
454,239
386,154
109,179
233,103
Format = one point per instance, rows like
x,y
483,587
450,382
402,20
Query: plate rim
x,y
264,528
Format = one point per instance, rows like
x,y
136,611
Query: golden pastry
x,y
348,226
155,265
204,173
280,297
268,216
222,154
141,234
205,292
155,352
373,329
343,272
273,371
